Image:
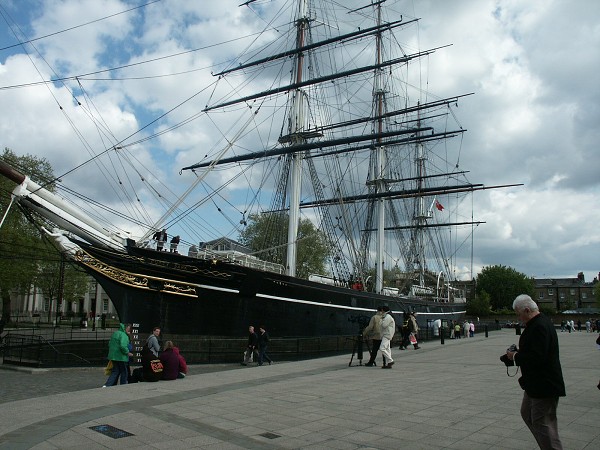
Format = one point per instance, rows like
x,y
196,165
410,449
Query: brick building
x,y
566,293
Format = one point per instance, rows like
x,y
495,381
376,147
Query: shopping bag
x,y
413,339
108,368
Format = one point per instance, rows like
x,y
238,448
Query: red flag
x,y
438,205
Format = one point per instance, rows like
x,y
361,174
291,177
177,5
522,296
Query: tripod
x,y
357,349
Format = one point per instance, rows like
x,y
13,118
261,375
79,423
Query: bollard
x,y
442,335
486,330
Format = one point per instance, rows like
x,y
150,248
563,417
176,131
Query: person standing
x,y
251,347
413,328
405,335
373,332
118,353
263,343
466,328
471,329
160,237
130,348
542,379
174,243
388,327
457,330
152,341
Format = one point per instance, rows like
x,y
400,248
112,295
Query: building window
x,y
541,295
105,305
584,295
562,295
572,291
550,291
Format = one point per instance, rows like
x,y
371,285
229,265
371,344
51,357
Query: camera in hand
x,y
504,358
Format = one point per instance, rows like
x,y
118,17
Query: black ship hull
x,y
189,296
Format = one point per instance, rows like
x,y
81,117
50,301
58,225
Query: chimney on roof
x,y
581,277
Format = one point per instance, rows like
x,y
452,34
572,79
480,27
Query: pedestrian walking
x,y
542,379
388,328
263,343
373,332
413,329
251,347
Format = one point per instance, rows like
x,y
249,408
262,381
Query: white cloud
x,y
533,119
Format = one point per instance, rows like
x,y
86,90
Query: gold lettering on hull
x,y
143,281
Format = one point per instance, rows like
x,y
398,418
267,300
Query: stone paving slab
x,y
451,396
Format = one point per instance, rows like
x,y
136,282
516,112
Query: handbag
x,y
412,338
156,366
108,368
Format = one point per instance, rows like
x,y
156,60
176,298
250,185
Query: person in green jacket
x,y
118,353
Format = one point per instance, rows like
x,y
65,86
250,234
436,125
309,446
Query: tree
x,y
503,284
70,281
480,305
266,234
390,276
27,259
20,244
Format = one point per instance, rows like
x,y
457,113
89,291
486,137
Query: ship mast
x,y
295,127
421,215
379,166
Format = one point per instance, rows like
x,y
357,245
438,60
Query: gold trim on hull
x,y
132,279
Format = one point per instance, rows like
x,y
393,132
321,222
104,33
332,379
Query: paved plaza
x,y
452,396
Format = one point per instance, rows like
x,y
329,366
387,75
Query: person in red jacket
x,y
171,361
183,368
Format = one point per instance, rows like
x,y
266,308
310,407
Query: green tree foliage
x,y
503,284
548,310
480,305
389,278
266,235
25,255
20,243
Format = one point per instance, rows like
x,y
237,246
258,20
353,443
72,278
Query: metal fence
x,y
64,349
72,347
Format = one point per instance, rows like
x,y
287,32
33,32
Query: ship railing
x,y
242,260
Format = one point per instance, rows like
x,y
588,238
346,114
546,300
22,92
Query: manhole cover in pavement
x,y
111,431
270,435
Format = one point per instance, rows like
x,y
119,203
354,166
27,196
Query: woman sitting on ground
x,y
171,360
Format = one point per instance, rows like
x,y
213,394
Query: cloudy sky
x,y
534,119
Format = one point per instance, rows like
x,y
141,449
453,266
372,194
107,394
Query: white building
x,y
33,304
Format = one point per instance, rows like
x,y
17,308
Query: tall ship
x,y
324,122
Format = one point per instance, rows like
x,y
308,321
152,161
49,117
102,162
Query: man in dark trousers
x,y
542,380
263,344
251,348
